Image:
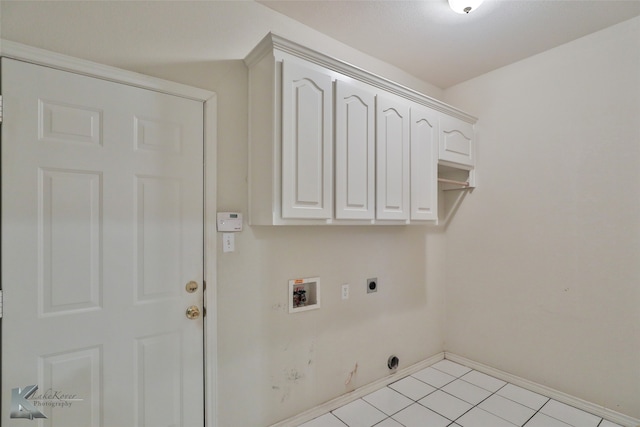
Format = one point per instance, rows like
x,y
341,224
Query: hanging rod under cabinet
x,y
464,184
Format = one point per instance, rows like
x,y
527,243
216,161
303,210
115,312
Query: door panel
x,y
69,206
456,141
102,228
424,163
306,143
355,152
392,159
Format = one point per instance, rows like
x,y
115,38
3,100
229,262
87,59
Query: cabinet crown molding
x,y
273,42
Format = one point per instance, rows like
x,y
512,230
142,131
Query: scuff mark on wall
x,y
292,375
351,375
285,395
296,372
283,386
312,350
279,307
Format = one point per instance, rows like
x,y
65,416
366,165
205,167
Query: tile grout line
x,y
477,405
417,401
495,393
456,397
443,391
440,389
492,393
473,406
604,413
571,406
534,414
373,406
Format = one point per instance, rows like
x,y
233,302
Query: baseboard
x,y
333,404
592,408
358,393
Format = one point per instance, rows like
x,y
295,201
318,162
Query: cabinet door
x,y
392,158
456,141
424,167
306,143
355,152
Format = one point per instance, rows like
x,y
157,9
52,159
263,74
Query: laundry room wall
x,y
543,261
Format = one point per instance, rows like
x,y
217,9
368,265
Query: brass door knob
x,y
191,287
193,312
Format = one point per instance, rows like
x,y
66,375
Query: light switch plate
x,y
345,291
228,242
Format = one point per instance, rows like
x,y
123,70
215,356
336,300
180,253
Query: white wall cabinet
x,y
330,143
456,143
424,163
354,152
392,159
307,142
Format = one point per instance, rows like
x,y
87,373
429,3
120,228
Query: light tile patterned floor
x,y
449,394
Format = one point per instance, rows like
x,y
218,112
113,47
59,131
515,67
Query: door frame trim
x,y
62,62
34,55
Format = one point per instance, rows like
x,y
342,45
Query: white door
x,y
102,228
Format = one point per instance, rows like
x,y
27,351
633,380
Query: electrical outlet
x,y
372,285
345,291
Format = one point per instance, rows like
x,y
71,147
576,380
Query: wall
x,y
271,364
549,288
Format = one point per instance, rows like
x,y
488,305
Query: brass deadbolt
x,y
191,287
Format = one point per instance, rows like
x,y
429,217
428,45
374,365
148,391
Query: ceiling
x,y
425,38
429,41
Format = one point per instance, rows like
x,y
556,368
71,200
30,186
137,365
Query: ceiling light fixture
x,y
464,6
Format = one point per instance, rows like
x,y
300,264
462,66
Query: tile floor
x,y
449,394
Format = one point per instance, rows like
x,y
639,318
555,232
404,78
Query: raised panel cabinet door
x,y
392,159
306,143
424,163
456,141
355,152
